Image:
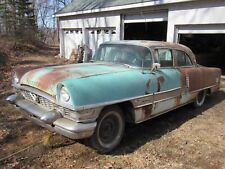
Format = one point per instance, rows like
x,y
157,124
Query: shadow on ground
x,y
138,135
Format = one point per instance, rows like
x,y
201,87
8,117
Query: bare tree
x,y
24,17
47,24
17,17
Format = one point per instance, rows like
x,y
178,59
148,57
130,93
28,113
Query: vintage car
x,y
127,81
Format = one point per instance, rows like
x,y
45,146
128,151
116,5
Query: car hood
x,y
47,78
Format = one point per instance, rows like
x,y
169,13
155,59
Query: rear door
x,y
191,74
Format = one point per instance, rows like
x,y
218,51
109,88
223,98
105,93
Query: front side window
x,y
165,57
132,55
182,59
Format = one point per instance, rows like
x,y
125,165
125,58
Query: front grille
x,y
39,100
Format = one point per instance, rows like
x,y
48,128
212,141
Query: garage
x,y
197,24
146,26
208,44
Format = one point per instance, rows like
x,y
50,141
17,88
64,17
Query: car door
x,y
192,74
168,79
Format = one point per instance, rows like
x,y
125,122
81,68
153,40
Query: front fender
x,y
97,90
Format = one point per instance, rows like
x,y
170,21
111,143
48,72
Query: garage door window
x,y
182,59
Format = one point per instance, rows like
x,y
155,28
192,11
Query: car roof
x,y
148,43
154,44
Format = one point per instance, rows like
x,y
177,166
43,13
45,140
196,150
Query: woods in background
x,y
30,19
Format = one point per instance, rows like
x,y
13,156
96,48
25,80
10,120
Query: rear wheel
x,y
109,130
200,99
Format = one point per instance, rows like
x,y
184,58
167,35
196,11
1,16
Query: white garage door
x,y
98,36
72,38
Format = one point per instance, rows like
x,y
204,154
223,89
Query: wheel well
x,y
208,91
127,109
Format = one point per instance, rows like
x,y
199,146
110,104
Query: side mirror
x,y
155,66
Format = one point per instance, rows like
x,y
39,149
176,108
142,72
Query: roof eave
x,y
122,7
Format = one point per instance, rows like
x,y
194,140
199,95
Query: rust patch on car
x,y
144,113
147,111
178,100
48,80
196,78
20,71
148,84
160,80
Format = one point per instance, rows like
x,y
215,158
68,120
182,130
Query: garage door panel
x,y
98,36
72,38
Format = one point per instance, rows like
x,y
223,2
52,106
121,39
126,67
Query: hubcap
x,y
109,129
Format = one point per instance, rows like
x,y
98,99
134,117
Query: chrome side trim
x,y
143,101
143,105
132,99
162,96
204,88
166,91
81,108
158,114
159,96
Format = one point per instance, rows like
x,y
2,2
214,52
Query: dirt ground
x,y
184,138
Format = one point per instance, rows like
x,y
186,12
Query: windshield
x,y
132,55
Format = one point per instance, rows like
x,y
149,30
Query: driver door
x,y
168,80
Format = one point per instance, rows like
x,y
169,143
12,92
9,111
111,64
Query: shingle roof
x,y
83,5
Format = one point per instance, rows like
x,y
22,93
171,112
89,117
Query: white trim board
x,y
149,17
201,29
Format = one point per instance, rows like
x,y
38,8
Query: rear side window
x,y
165,57
182,59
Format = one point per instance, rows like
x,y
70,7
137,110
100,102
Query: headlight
x,y
15,79
64,95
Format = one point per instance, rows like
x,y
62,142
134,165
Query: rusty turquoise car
x,y
127,81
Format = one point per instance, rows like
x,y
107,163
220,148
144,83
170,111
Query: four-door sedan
x,y
127,81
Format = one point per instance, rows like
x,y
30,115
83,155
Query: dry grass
x,y
184,138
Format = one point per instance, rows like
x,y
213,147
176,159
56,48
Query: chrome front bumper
x,y
53,120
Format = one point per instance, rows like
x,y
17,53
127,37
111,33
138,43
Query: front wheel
x,y
200,99
109,130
